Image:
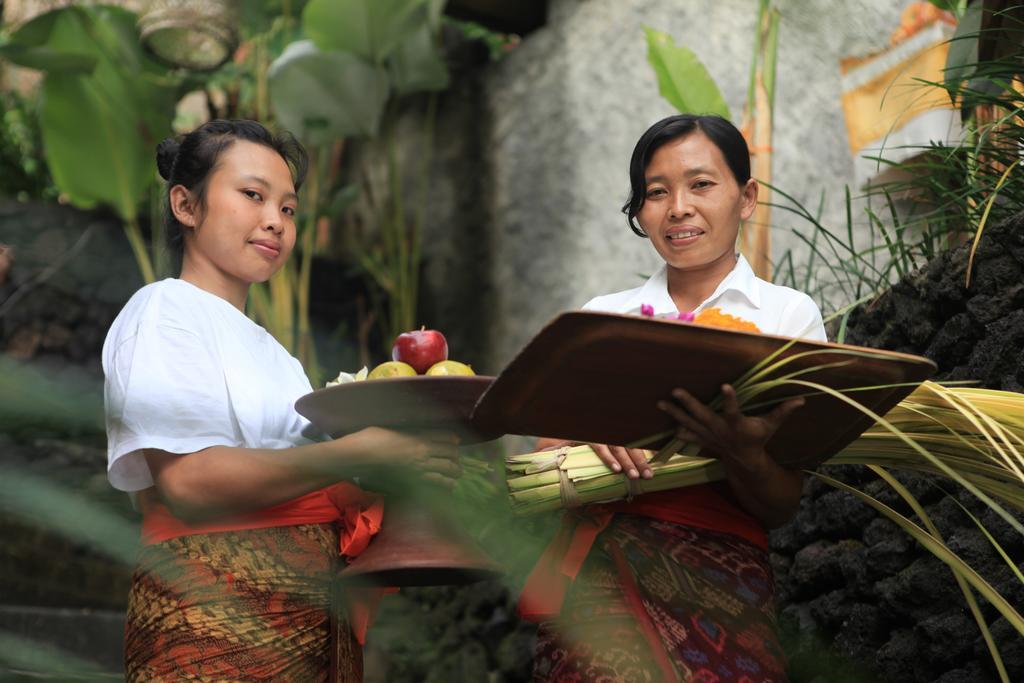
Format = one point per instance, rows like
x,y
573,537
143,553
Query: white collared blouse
x,y
773,308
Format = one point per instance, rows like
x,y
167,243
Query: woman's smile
x,y
682,237
267,247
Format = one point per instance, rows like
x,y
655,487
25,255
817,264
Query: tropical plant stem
x,y
138,244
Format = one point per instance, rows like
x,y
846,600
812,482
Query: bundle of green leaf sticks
x,y
973,436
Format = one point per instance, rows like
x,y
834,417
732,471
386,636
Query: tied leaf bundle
x,y
970,435
572,476
973,436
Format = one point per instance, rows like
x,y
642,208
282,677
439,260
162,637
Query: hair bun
x,y
166,153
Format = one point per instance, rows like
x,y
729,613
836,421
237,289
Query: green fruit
x,y
392,368
449,367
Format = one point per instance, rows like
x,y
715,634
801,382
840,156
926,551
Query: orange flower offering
x,y
714,317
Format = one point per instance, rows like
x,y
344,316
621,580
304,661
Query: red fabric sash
x,y
358,514
707,506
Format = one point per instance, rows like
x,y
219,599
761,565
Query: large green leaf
x,y
28,46
47,59
418,64
321,96
962,59
682,79
100,129
36,31
372,29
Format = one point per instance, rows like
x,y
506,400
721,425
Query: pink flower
x,y
646,309
686,316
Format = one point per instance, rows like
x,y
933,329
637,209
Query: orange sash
x,y
358,513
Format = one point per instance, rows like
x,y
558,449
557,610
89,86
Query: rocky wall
x,y
860,600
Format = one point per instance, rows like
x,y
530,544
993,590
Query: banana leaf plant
x,y
105,105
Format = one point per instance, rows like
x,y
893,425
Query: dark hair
x,y
189,159
723,134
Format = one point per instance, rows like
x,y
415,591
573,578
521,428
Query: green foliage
x,y
682,78
358,54
105,105
948,191
417,65
29,47
390,255
258,17
962,59
370,29
321,96
498,44
100,125
25,175
36,403
957,7
859,258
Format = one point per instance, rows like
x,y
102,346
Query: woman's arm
x,y
221,481
766,490
762,487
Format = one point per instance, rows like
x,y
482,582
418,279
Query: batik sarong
x,y
657,601
249,605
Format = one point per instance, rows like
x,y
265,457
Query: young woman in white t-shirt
x,y
677,585
242,515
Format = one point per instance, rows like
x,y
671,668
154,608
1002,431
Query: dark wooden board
x,y
597,377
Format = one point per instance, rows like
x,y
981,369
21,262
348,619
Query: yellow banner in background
x,y
884,93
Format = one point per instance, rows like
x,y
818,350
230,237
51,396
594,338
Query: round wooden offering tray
x,y
402,403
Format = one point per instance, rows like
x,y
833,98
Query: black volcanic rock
x,y
900,616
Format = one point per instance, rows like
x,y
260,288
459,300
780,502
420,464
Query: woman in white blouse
x,y
242,515
677,585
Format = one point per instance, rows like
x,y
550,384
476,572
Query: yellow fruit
x,y
392,368
450,367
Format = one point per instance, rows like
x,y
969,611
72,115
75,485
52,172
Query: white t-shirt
x,y
774,309
186,370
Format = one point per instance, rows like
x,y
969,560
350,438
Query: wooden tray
x,y
402,403
597,377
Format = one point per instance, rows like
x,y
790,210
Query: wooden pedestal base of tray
x,y
415,546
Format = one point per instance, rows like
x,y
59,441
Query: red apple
x,y
420,348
